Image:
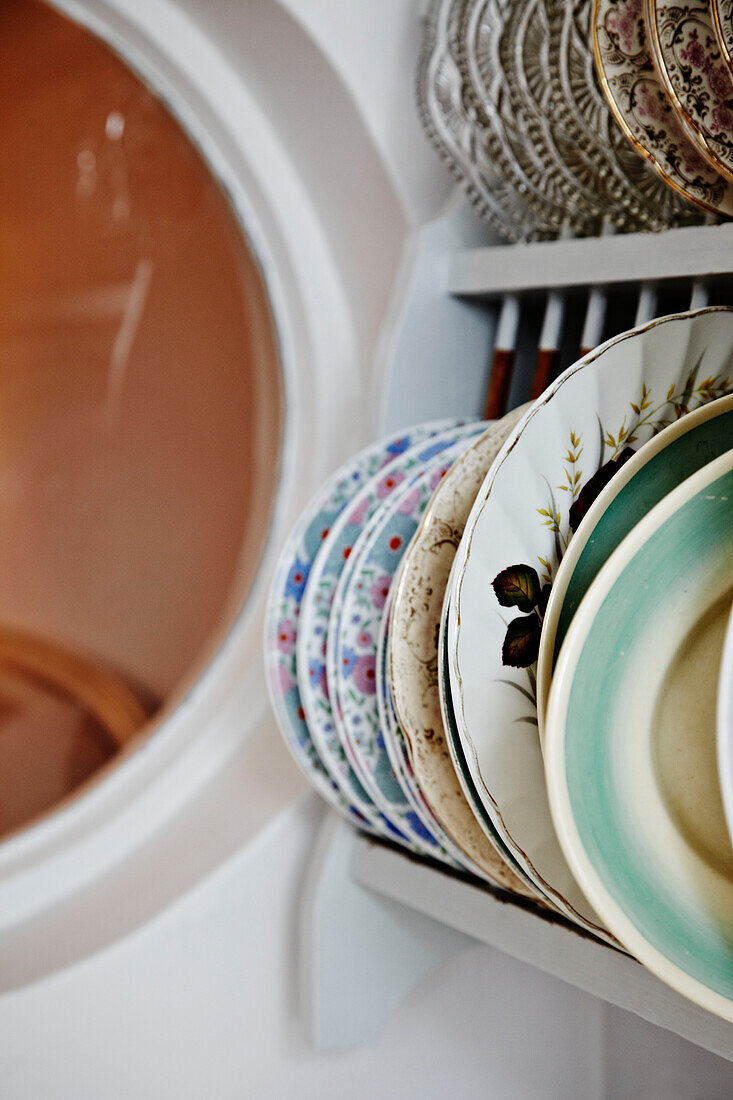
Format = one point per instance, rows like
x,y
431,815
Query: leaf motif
x,y
517,586
522,642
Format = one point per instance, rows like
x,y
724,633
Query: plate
x,y
723,16
725,726
653,471
461,767
286,597
355,624
638,99
419,589
393,737
578,107
630,749
451,125
695,75
326,569
616,397
486,59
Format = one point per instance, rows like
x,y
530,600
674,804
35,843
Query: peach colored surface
x,y
140,406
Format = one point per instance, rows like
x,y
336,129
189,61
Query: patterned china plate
x,y
574,173
723,17
398,752
451,125
643,109
419,589
695,74
353,643
286,597
486,61
326,568
550,469
578,107
355,621
393,739
461,767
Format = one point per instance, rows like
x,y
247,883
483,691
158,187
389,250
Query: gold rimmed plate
x,y
695,74
723,19
643,109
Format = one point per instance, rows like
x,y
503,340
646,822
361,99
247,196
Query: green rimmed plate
x,y
630,741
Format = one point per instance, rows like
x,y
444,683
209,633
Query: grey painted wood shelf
x,y
700,252
535,936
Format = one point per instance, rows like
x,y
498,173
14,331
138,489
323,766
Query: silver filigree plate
x,y
641,106
695,74
528,66
483,54
452,127
579,109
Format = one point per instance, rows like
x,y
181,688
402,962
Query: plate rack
x,y
374,917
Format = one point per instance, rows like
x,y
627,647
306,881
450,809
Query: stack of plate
x,y
580,115
498,644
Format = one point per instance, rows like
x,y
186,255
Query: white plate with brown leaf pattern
x,y
551,468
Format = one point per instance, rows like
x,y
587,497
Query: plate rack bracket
x,y
361,952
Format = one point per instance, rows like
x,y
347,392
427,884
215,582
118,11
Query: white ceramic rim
x,y
560,805
587,526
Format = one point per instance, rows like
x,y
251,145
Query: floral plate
x,y
353,640
286,598
315,613
653,471
637,97
695,74
354,626
550,469
723,16
419,588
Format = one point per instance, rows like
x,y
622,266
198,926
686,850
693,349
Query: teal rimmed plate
x,y
630,741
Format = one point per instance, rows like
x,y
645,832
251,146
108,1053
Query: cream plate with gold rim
x,y
419,589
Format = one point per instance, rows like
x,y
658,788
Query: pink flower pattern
x,y
286,636
380,590
629,70
365,673
389,483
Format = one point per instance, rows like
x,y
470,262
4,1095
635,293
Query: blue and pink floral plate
x,y
353,642
285,601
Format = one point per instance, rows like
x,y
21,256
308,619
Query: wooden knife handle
x,y
547,361
499,379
